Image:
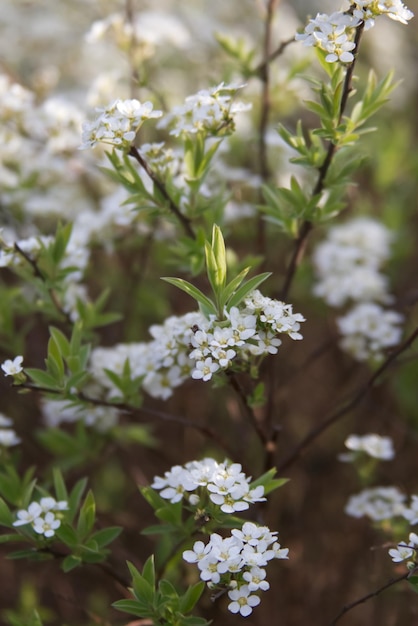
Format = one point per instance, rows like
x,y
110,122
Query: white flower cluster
x,y
374,445
8,437
118,123
209,111
348,266
250,331
197,347
238,562
335,33
225,484
368,330
405,551
44,516
377,503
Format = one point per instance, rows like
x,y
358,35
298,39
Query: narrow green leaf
x,y
148,571
247,288
60,340
6,517
133,607
67,535
106,535
87,516
141,587
219,252
192,291
71,562
59,484
191,597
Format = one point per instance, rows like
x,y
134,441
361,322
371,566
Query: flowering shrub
x,y
223,276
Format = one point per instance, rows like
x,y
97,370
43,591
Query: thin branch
x,y
348,406
139,413
184,221
39,274
236,386
372,594
264,74
307,226
260,68
105,567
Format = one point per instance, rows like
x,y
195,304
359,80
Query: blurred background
x,y
70,67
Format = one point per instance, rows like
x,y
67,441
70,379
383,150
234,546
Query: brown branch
x,y
307,225
138,412
237,387
348,406
372,594
260,68
184,221
264,74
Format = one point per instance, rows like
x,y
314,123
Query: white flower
x,y
256,579
368,330
198,553
46,525
29,516
8,438
378,503
400,554
117,124
11,368
374,445
242,601
205,369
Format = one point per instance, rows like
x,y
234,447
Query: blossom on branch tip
x,y
11,368
117,124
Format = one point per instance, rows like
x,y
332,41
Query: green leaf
x,y
75,497
67,535
192,291
42,378
6,517
168,590
191,597
247,288
268,481
106,535
87,516
142,589
219,256
71,562
59,484
60,341
148,571
133,607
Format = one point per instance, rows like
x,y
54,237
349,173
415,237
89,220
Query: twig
x,y
39,274
307,226
264,73
260,68
235,384
372,594
138,412
184,221
348,406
